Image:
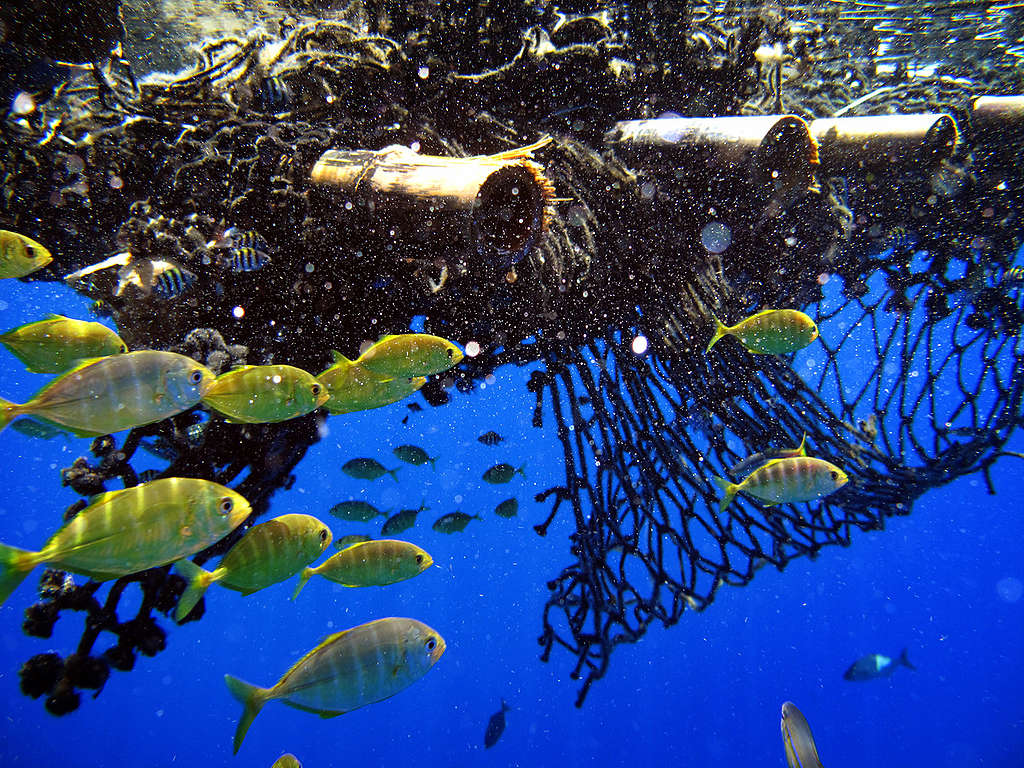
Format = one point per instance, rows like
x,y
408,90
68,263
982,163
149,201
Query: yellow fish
x,y
348,670
131,530
752,462
354,388
55,344
287,760
20,255
769,332
267,554
373,563
258,394
409,355
784,481
109,394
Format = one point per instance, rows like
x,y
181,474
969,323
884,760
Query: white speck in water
x,y
423,72
715,237
472,349
238,312
823,278
640,345
1010,589
116,182
415,146
647,190
458,498
309,266
23,104
489,378
276,378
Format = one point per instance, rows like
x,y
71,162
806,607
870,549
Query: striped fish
x,y
1013,277
173,281
267,554
234,237
769,332
274,95
348,670
167,279
244,259
131,530
784,481
370,564
752,462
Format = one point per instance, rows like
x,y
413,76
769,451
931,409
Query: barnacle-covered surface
x,y
158,166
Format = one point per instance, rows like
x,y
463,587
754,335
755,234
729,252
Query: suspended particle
x,y
115,181
423,73
238,312
472,349
639,345
715,237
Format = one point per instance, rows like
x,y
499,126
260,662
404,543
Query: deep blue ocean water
x,y
705,692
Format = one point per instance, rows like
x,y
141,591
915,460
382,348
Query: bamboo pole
x,y
993,116
883,141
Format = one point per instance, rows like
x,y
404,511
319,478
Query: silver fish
x,y
801,751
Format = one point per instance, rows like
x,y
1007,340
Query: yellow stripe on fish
x,y
267,554
370,564
354,388
784,481
57,343
410,354
260,394
769,332
131,530
348,670
106,395
20,255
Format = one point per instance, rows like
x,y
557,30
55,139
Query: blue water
x,y
706,692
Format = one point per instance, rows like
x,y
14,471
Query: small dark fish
x,y
490,438
507,508
368,469
148,475
413,454
160,447
355,511
353,538
495,726
196,433
1013,278
453,522
402,520
875,665
173,282
274,95
40,430
502,473
245,259
414,407
801,751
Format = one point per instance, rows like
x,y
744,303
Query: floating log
x,y
993,116
495,205
878,142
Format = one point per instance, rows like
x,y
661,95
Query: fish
x,y
409,355
160,447
769,332
348,670
402,520
354,388
40,430
875,665
21,255
274,95
234,237
356,511
495,726
502,473
413,454
375,563
785,481
353,538
262,394
507,508
106,395
414,407
801,751
752,462
132,530
57,343
490,438
453,522
244,260
1012,278
161,276
267,554
287,760
368,469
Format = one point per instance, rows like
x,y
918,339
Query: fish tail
x,y
252,699
730,491
520,471
303,578
15,565
8,412
198,580
505,707
433,463
904,660
394,473
721,329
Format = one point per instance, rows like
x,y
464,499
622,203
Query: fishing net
x,y
913,384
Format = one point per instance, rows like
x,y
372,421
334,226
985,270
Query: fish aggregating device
x,y
547,202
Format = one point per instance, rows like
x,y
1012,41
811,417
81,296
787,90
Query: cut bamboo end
x,y
1002,115
504,199
883,141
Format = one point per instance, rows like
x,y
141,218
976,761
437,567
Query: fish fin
x,y
394,473
15,565
904,660
801,450
324,713
433,462
720,330
303,578
105,496
252,699
339,358
55,316
730,492
8,412
198,580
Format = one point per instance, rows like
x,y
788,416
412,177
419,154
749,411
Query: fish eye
x,y
450,353
835,475
323,535
431,644
316,390
124,349
226,505
195,377
419,559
